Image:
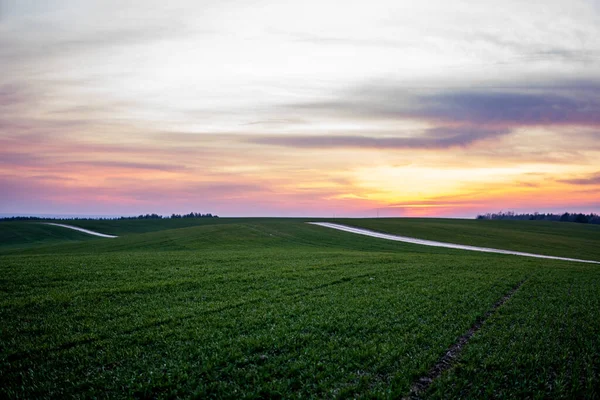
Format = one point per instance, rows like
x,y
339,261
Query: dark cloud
x,y
437,138
593,179
509,108
562,103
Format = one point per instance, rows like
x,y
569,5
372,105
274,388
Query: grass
x,y
541,237
249,308
133,226
19,235
545,342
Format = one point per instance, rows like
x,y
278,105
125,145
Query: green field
x,y
20,235
255,308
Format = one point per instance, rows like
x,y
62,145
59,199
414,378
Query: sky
x,y
299,108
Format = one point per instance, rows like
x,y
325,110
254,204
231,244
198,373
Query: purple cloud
x,y
436,138
593,179
510,108
566,103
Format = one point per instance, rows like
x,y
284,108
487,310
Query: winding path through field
x,y
82,230
433,243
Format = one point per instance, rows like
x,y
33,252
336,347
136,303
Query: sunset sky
x,y
299,108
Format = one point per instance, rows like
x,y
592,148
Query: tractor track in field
x,y
433,243
446,362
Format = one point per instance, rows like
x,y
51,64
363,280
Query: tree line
x,y
566,217
141,216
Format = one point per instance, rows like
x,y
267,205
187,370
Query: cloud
x,y
528,184
277,122
11,94
436,138
51,36
521,51
165,191
346,41
510,108
20,159
593,179
51,178
125,165
562,103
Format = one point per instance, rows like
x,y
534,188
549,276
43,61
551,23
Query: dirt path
x,y
82,230
433,243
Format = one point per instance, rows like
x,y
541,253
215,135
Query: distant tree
x,y
566,217
141,216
